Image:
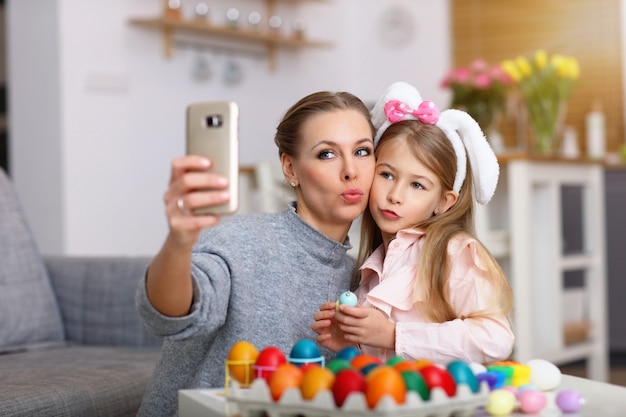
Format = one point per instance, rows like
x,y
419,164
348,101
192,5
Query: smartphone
x,y
213,131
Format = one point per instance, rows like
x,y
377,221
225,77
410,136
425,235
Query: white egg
x,y
544,375
477,368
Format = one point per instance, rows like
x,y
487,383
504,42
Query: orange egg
x,y
287,375
420,363
384,380
406,366
316,379
361,361
241,359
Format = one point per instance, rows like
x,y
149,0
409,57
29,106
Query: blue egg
x,y
305,351
348,353
463,374
348,298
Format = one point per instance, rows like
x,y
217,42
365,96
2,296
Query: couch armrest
x,y
96,296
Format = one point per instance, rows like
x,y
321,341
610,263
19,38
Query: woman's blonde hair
x,y
432,148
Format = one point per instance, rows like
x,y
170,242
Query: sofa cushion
x,y
29,313
75,381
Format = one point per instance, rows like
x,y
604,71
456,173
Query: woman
x,y
256,277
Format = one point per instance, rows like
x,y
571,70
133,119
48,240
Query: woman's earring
x,y
292,183
438,211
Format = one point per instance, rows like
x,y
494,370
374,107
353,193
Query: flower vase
x,y
546,119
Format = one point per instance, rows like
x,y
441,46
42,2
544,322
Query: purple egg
x,y
569,400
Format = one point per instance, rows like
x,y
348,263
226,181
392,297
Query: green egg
x,y
415,382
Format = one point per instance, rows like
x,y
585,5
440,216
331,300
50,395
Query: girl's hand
x,y
192,187
367,326
329,334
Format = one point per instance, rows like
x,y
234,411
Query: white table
x,y
601,400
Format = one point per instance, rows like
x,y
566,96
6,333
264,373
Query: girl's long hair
x,y
432,148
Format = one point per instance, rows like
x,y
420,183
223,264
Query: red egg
x,y
267,362
438,377
346,382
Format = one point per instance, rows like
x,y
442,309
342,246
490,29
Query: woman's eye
x,y
325,154
386,175
363,152
417,185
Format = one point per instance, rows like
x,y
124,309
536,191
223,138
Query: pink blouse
x,y
387,284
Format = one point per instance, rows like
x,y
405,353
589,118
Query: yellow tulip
x,y
511,70
541,59
524,66
574,69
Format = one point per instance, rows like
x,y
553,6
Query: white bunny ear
x,y
482,159
400,91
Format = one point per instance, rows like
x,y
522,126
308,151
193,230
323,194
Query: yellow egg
x,y
241,358
316,379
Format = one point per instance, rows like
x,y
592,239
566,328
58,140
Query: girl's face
x,y
404,192
333,170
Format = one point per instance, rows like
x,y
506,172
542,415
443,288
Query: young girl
x,y
428,288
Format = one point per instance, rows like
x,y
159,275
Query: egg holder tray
x,y
257,400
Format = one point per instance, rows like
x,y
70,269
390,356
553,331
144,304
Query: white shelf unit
x,y
523,228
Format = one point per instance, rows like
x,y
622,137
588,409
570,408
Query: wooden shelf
x,y
169,26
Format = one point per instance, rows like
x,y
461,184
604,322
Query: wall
x,y
97,113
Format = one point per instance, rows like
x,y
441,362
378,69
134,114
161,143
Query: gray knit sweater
x,y
257,277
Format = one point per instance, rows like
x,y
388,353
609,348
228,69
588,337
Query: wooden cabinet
x,y
523,226
168,26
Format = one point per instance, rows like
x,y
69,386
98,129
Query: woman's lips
x,y
352,195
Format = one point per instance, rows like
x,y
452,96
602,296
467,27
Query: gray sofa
x,y
71,343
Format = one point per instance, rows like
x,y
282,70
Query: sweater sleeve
x,y
211,294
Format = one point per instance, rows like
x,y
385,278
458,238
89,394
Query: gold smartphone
x,y
212,131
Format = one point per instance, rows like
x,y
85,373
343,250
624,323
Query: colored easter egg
x,y
569,400
500,403
348,353
395,360
286,376
477,368
531,401
384,380
407,366
305,351
463,374
267,362
544,375
346,382
241,359
337,364
413,381
363,360
316,379
369,367
420,363
438,377
348,298
307,366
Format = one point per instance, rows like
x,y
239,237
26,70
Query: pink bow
x,y
426,112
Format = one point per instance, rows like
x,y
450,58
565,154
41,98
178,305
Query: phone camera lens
x,y
214,120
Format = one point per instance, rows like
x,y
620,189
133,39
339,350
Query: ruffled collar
x,y
392,275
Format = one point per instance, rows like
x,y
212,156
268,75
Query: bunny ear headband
x,y
402,101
